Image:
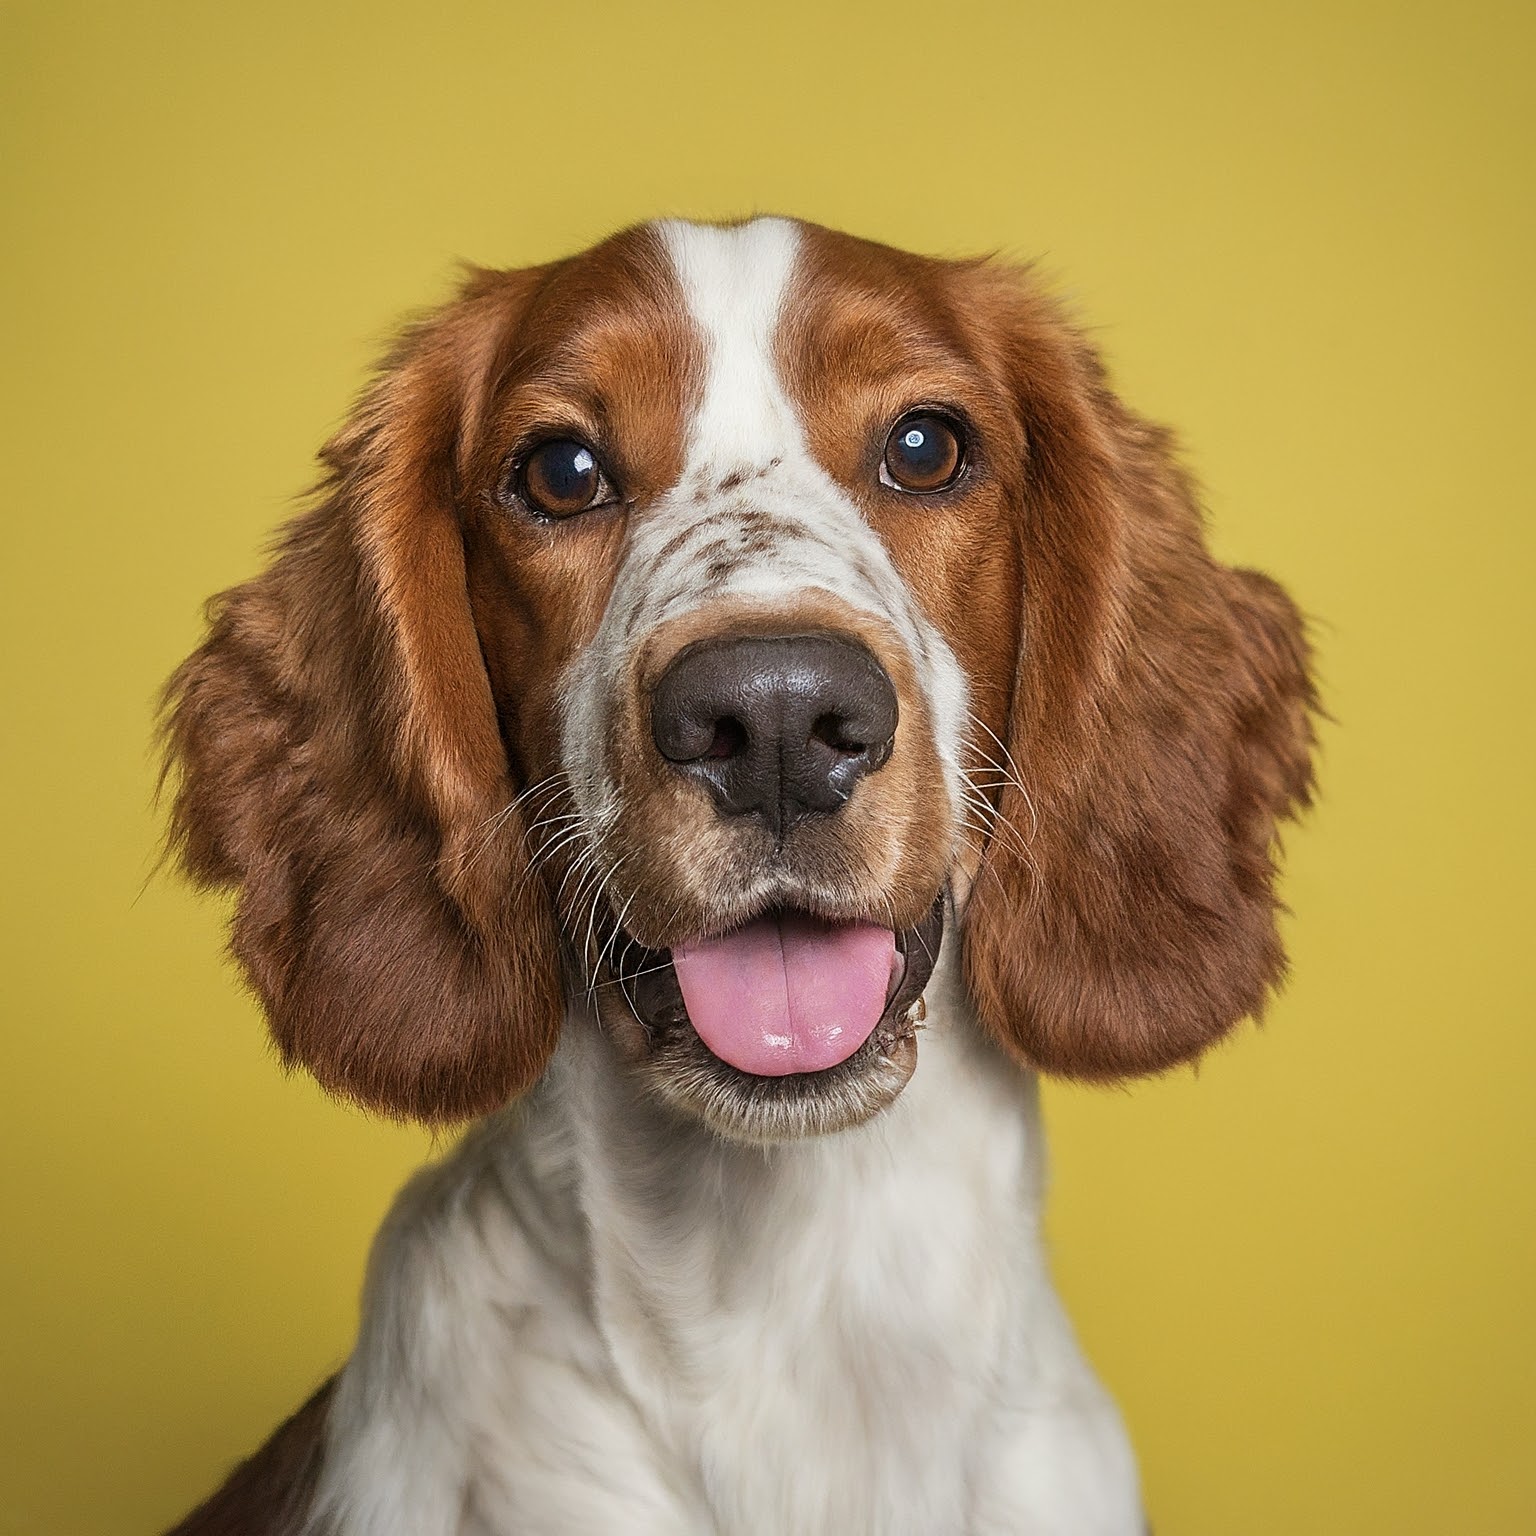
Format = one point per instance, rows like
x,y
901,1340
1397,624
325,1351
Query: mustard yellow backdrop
x,y
1303,233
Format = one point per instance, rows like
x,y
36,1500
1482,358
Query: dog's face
x,y
686,629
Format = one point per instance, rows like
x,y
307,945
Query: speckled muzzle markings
x,y
756,539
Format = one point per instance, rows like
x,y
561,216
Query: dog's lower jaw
x,y
652,1033
770,1111
598,1315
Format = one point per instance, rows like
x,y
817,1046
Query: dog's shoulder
x,y
271,1492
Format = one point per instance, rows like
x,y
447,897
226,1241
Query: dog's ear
x,y
1160,725
338,762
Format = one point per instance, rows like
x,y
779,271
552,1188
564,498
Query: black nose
x,y
781,727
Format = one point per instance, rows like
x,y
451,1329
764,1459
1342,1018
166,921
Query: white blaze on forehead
x,y
735,282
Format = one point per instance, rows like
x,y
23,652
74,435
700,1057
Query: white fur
x,y
595,1316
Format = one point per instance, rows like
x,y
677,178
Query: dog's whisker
x,y
547,784
1009,767
999,823
559,819
492,825
495,822
597,896
1002,745
580,867
556,842
618,926
622,977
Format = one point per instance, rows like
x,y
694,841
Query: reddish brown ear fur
x,y
340,765
1160,722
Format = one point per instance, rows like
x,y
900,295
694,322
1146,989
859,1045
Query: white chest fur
x,y
592,1318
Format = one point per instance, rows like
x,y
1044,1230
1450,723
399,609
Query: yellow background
x,y
1302,232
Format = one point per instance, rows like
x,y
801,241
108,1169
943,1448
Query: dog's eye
x,y
560,478
923,453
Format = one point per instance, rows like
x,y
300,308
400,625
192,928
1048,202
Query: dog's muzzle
x,y
780,729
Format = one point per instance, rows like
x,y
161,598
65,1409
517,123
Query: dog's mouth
x,y
786,1025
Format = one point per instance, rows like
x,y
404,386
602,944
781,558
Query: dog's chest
x,y
817,1339
840,1389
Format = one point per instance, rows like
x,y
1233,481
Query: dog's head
x,y
683,633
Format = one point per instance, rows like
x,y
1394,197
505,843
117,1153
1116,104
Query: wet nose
x,y
780,727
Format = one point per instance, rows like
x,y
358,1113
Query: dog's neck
x,y
901,1253
668,1202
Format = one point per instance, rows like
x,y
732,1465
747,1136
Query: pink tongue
x,y
787,994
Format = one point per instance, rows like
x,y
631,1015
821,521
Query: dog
x,y
742,701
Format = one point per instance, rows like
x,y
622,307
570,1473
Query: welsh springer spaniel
x,y
745,699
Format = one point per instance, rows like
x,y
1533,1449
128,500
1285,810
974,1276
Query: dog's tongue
x,y
787,993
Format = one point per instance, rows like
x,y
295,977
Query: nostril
x,y
730,739
833,731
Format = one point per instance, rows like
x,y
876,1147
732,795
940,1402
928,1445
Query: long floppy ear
x,y
340,765
1160,722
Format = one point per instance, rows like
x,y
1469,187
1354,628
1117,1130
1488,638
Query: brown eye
x,y
561,478
922,453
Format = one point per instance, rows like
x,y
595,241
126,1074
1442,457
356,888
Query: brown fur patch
x,y
605,353
1155,704
351,736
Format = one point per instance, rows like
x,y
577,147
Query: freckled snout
x,y
777,727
